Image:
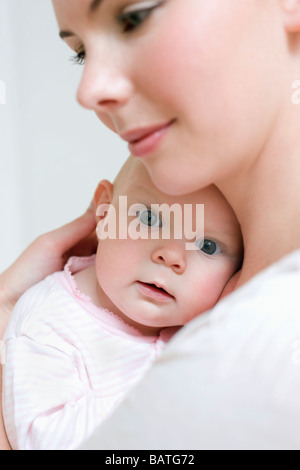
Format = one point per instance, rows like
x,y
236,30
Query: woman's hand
x,y
46,255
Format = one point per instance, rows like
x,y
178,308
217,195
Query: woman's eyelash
x,y
78,59
132,20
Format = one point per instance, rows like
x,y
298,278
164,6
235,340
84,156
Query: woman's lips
x,y
154,292
145,140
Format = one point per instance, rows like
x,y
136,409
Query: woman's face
x,y
200,76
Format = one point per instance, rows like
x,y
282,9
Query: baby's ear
x,y
291,10
103,195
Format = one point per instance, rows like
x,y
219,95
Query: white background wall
x,y
53,153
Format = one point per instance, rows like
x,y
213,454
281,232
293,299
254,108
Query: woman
x,y
216,108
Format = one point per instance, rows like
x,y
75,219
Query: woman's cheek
x,y
107,121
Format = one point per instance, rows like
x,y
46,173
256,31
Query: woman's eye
x,y
132,20
149,218
78,58
209,247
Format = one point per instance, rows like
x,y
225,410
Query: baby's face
x,y
156,282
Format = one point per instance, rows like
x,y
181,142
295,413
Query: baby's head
x,y
152,281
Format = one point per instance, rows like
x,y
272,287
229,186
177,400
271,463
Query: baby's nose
x,y
172,255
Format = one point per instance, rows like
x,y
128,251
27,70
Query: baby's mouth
x,y
161,289
152,290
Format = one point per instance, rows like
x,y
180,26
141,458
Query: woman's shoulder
x,y
276,288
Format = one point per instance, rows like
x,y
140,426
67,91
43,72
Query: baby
x,y
79,340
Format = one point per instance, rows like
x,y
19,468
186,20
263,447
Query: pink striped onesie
x,y
68,364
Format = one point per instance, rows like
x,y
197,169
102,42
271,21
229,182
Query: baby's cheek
x,y
206,291
116,263
105,264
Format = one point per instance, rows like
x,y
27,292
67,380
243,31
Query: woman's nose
x,y
172,255
103,87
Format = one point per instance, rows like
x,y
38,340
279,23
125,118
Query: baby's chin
x,y
151,318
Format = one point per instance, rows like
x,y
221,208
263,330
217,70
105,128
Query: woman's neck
x,y
266,199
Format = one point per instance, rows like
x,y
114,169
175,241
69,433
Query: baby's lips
x,y
159,287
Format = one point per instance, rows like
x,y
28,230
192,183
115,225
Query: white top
x,y
68,364
228,380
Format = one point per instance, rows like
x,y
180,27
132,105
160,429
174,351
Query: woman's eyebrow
x,y
65,34
92,8
94,5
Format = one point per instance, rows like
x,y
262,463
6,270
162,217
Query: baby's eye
x,y
209,247
149,218
131,20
